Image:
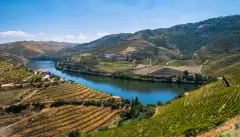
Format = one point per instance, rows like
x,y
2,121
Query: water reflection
x,y
148,92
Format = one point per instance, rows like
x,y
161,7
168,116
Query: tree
x,y
75,133
199,78
179,79
185,73
159,103
136,108
132,111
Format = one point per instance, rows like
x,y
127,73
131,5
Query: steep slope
x,y
220,64
103,42
13,59
190,115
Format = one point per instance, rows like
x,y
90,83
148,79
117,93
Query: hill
x,y
25,50
31,105
166,49
190,115
185,37
55,108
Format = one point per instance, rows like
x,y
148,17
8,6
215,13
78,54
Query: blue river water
x,y
147,92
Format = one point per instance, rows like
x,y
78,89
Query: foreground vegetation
x,y
32,107
68,91
68,108
10,73
190,115
60,121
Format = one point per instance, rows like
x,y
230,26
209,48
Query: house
x,y
111,56
62,79
40,71
46,78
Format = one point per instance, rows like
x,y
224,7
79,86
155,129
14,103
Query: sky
x,y
86,20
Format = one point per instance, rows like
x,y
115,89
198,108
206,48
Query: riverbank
x,y
176,79
148,92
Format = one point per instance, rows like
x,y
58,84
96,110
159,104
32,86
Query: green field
x,y
178,63
115,66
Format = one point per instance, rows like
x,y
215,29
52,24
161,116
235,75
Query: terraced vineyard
x,y
62,120
68,91
234,78
12,96
190,115
10,73
6,120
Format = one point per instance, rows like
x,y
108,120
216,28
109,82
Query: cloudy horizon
x,y
81,21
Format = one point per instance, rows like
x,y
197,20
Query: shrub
x,y
75,133
16,108
159,103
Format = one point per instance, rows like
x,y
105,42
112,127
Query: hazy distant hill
x,y
29,49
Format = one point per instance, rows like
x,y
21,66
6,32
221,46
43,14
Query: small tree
x,y
136,108
185,73
75,133
199,78
159,103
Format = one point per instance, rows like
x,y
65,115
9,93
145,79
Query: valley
x,y
177,81
147,92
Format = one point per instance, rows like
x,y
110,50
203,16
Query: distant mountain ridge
x,y
31,49
188,38
205,42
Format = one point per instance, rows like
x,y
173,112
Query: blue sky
x,y
86,20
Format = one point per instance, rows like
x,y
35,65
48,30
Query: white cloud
x,y
21,35
82,37
15,34
103,34
69,37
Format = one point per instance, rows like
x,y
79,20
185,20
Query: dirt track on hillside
x,y
227,127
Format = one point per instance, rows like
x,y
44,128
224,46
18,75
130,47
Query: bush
x,y
75,133
237,126
159,103
103,129
38,106
16,108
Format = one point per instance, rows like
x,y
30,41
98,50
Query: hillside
x,y
25,50
185,37
33,106
161,50
191,115
55,108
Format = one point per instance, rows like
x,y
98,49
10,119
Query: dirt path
x,y
8,85
2,130
227,127
26,79
27,97
25,84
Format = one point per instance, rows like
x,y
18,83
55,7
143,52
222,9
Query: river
x,y
147,92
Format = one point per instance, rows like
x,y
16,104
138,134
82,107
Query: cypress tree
x,y
132,111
